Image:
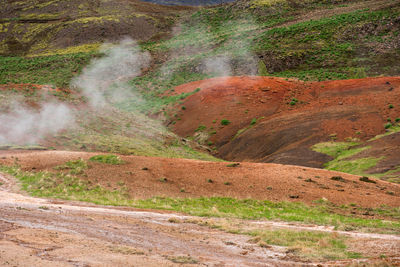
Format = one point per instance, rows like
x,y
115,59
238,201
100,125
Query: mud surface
x,y
290,115
37,232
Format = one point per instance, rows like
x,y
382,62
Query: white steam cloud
x,y
104,80
218,56
25,125
219,66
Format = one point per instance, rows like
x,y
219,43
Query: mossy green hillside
x,y
31,28
56,70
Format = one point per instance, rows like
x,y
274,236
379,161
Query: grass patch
x,y
74,167
285,211
182,259
225,122
67,186
134,145
341,151
302,244
57,70
357,166
108,159
308,244
333,149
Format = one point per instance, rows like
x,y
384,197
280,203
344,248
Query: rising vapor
x,y
26,125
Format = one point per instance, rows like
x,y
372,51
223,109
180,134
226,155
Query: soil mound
x,y
146,177
265,119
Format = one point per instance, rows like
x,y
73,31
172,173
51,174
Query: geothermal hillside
x,y
280,120
200,133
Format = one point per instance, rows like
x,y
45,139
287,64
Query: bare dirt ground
x,y
167,177
39,232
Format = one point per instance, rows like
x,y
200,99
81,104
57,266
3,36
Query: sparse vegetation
x,y
225,122
66,186
286,211
182,259
201,128
307,244
341,152
108,159
293,102
74,167
235,164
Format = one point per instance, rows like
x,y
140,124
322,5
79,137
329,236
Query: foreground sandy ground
x,y
39,232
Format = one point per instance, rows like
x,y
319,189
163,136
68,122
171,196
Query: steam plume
x,y
104,80
24,125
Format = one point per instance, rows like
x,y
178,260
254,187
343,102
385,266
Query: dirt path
x,y
39,232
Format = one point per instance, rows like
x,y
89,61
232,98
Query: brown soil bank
x,y
278,120
147,177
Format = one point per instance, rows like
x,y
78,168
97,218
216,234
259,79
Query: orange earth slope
x,y
283,132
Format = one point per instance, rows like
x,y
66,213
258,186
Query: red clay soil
x,y
283,132
193,178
